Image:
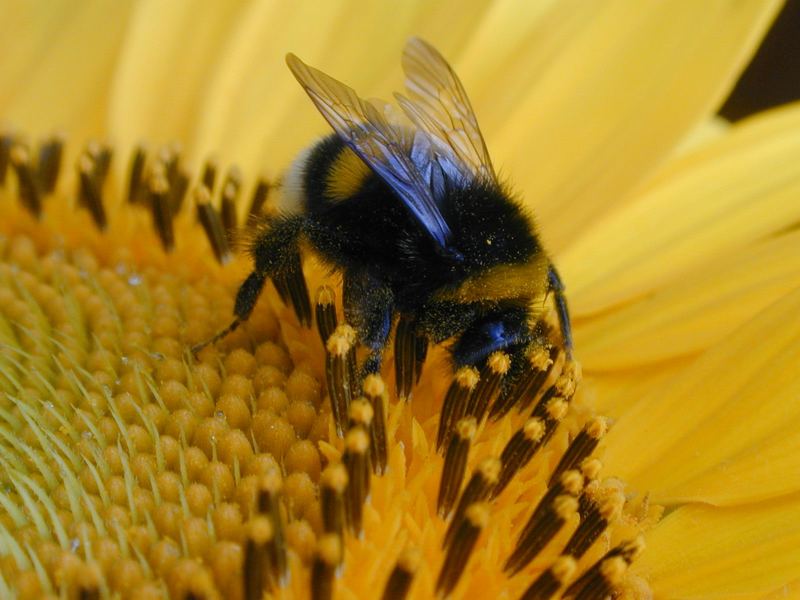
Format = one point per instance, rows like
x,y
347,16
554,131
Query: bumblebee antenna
x,y
217,336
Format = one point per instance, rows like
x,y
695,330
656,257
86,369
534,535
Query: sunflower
x,y
131,468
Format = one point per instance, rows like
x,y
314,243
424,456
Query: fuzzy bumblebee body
x,y
413,217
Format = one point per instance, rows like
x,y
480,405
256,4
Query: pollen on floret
x,y
165,464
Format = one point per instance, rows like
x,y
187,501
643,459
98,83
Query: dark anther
x,y
538,534
177,190
455,462
581,447
51,153
268,501
602,578
90,193
323,568
529,393
410,350
101,156
476,517
340,345
488,387
539,363
355,458
209,219
6,144
230,196
478,488
375,391
518,451
333,486
209,175
550,581
402,576
29,193
325,312
258,570
360,415
260,195
571,483
136,179
455,403
598,508
162,212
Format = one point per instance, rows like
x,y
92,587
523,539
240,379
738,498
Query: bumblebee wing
x,y
438,104
365,129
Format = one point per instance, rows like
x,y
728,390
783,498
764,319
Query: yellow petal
x,y
617,85
737,397
732,553
58,60
164,68
258,114
722,197
683,319
613,393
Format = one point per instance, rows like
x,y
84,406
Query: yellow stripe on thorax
x,y
346,176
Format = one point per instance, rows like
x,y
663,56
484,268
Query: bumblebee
x,y
407,207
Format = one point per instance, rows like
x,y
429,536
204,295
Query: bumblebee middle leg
x,y
369,307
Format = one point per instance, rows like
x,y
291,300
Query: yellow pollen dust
x,y
128,457
132,468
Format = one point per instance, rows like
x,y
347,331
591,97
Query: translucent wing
x,y
438,105
385,148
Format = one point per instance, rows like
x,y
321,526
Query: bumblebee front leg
x,y
276,254
557,287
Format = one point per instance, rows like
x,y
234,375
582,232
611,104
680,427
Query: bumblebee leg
x,y
246,299
369,307
508,327
557,287
276,253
